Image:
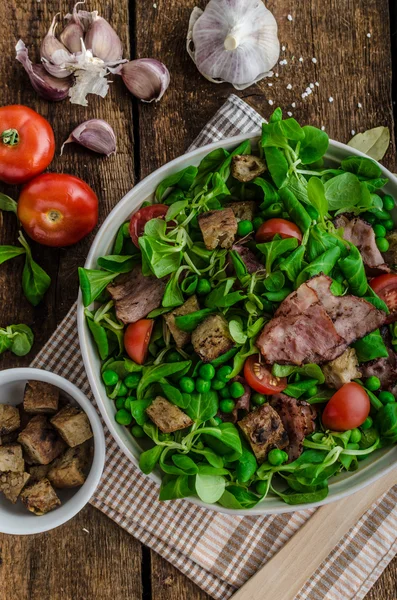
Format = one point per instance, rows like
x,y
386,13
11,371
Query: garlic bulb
x,y
96,135
48,87
146,78
233,41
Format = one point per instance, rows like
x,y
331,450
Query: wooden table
x,y
91,557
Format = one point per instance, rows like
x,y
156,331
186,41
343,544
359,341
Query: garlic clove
x,y
96,135
50,43
102,39
73,32
233,41
146,78
49,88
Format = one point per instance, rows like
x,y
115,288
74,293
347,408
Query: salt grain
x,y
368,35
353,132
330,99
155,5
289,87
276,74
271,102
304,95
359,105
317,83
270,84
283,48
301,59
289,113
314,60
293,104
322,128
289,17
312,86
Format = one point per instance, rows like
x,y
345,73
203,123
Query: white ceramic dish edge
x,y
339,488
27,524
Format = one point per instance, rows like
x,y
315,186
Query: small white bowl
x,y
15,518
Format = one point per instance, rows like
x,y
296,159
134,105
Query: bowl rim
x,y
74,505
361,481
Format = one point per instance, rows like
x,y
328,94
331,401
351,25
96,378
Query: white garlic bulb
x,y
233,41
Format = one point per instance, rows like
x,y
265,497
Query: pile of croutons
x,y
45,443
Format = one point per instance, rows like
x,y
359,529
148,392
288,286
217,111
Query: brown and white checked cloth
x,y
220,552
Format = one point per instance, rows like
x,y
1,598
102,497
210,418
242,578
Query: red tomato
x,y
286,229
347,409
386,288
260,378
27,144
137,338
142,216
57,209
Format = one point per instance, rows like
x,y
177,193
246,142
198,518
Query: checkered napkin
x,y
220,552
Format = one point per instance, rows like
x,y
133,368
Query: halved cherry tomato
x,y
347,409
386,288
142,216
56,209
285,229
27,144
137,338
260,378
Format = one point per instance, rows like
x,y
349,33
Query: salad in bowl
x,y
244,321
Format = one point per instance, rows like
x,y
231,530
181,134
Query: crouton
x,y
11,459
243,211
40,398
218,228
70,469
212,338
11,484
40,497
264,430
390,255
181,337
40,441
342,370
72,425
246,167
38,472
9,419
167,416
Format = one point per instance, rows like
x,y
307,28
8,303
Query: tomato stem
x,y
10,137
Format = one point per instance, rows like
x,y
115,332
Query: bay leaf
x,y
373,143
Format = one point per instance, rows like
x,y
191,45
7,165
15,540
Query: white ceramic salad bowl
x,y
342,485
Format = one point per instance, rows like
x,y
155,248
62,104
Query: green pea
x,y
186,384
382,215
311,391
223,392
244,227
127,404
382,244
137,431
126,230
277,457
202,386
218,385
388,225
379,230
236,389
227,405
203,287
274,210
388,202
261,488
207,372
119,402
218,420
224,372
131,381
123,417
258,399
257,222
386,397
353,446
372,383
355,436
367,424
110,377
123,390
173,356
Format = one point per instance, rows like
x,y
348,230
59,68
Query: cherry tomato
x,y
27,144
142,216
137,338
347,409
285,229
260,378
386,288
57,209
